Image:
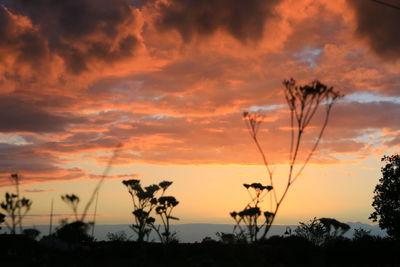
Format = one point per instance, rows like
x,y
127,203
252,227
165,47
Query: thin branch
x,y
99,184
316,143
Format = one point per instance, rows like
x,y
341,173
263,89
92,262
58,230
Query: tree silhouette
x,y
386,201
304,102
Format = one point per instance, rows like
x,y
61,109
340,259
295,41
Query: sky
x,y
166,82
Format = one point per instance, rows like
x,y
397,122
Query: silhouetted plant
x,y
72,201
142,201
207,240
2,218
16,209
361,233
314,231
333,227
75,232
31,233
145,200
164,208
386,201
250,215
318,231
303,102
232,238
288,232
119,236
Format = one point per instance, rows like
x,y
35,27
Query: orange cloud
x,y
171,86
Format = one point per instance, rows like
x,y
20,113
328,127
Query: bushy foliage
x,y
313,231
361,234
32,233
119,236
318,231
75,232
386,201
2,219
333,227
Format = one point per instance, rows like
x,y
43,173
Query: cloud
x,y
33,165
81,32
377,24
21,115
119,176
19,37
75,88
244,20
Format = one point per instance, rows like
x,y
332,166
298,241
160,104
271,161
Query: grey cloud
x,y
244,20
379,25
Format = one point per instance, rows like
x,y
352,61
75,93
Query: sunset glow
x,y
168,81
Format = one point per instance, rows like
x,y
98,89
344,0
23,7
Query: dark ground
x,y
19,250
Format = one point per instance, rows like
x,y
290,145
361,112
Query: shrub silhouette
x,y
362,234
303,102
313,231
15,206
2,219
386,201
119,236
32,233
333,227
318,231
236,237
73,200
76,231
145,201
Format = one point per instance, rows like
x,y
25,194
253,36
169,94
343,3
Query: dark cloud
x,y
33,165
19,115
360,116
379,25
26,159
81,31
26,43
394,142
244,20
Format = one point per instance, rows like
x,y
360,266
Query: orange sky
x,y
169,80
